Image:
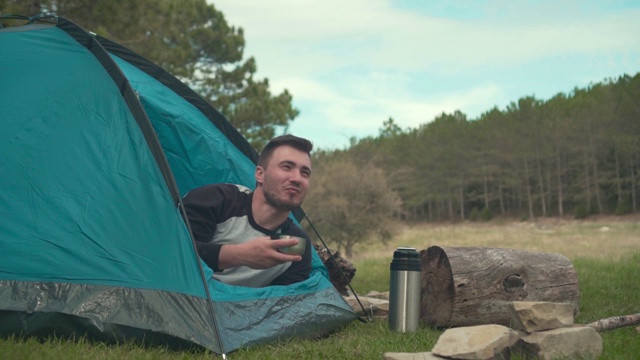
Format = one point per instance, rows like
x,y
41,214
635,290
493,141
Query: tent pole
x,y
338,266
212,315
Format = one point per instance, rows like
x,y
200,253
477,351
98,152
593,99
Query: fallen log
x,y
615,322
465,286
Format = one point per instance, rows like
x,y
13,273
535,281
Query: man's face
x,y
286,178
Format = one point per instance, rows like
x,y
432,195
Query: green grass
x,y
611,289
371,275
609,286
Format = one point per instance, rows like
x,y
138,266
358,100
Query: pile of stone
x,y
540,330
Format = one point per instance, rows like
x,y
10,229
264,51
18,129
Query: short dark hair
x,y
295,142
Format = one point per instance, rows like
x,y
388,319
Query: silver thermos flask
x,y
405,290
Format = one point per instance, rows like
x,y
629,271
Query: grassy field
x,y
605,253
602,238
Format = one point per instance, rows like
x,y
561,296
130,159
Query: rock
x,y
376,308
475,342
542,330
411,356
578,342
532,316
378,295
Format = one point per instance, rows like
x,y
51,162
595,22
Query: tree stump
x,y
465,286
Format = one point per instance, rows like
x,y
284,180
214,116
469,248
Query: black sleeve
x,y
298,271
201,207
210,254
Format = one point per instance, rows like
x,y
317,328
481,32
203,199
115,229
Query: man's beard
x,y
272,199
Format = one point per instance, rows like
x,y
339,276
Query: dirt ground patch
x,y
598,237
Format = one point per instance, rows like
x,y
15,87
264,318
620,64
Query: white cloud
x,y
330,34
352,64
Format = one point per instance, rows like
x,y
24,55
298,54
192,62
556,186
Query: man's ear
x,y
259,174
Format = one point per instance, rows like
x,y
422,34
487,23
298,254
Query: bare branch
x,y
615,322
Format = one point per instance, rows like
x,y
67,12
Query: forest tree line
x,y
575,154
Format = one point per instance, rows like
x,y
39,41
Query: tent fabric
x,y
106,313
188,137
76,170
96,148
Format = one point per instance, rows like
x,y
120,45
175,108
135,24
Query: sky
x,y
350,65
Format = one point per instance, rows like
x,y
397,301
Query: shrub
x,y
580,212
623,208
486,214
475,214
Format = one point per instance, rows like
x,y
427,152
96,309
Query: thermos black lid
x,y
405,258
404,252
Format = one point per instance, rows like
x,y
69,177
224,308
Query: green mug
x,y
295,249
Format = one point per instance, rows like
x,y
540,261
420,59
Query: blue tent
x,y
97,147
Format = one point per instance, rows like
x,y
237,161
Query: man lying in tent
x,y
238,232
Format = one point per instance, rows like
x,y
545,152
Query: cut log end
x,y
438,287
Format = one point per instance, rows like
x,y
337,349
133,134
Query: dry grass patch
x,y
600,238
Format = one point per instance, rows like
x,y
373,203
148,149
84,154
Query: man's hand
x,y
258,253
